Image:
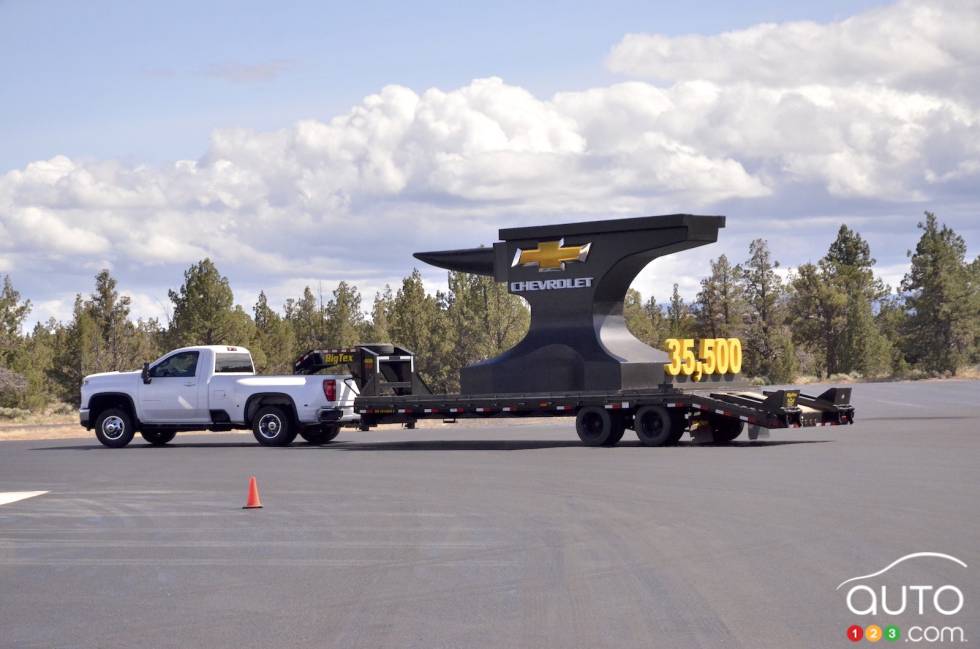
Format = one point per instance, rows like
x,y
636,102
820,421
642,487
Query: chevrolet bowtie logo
x,y
551,255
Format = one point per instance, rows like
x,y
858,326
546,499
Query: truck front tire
x,y
158,437
272,426
114,428
320,435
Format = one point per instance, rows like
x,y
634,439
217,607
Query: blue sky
x,y
149,81
281,140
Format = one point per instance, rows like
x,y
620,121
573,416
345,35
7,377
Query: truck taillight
x,y
330,389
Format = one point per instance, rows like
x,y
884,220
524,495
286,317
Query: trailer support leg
x,y
702,435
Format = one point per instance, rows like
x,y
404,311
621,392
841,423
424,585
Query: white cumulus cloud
x,y
788,128
919,45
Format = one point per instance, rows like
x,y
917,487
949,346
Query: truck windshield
x,y
233,363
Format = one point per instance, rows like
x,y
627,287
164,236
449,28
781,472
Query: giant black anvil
x,y
575,277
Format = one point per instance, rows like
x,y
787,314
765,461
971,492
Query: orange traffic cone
x,y
253,501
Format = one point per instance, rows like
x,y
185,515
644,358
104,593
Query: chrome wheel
x,y
113,427
273,426
269,426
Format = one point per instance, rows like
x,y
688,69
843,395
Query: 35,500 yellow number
x,y
715,356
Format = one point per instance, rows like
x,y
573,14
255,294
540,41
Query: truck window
x,y
182,365
233,363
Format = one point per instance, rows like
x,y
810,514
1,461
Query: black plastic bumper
x,y
328,415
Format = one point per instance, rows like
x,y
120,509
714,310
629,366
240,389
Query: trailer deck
x,y
773,409
391,391
578,357
768,409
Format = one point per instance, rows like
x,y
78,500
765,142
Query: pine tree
x,y
973,306
719,307
241,330
77,352
379,330
483,319
768,350
306,318
505,316
203,311
941,300
14,385
832,306
344,318
13,312
470,340
891,321
818,309
275,337
658,322
638,319
419,323
147,341
34,362
678,316
848,264
110,311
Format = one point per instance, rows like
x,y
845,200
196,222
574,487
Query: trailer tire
x,y
725,430
595,426
272,426
619,429
678,426
655,427
320,435
114,428
158,437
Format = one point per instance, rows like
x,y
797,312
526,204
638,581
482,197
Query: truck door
x,y
172,395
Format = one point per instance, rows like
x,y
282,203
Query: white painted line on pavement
x,y
7,497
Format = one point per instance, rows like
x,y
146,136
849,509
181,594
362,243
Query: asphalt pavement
x,y
493,536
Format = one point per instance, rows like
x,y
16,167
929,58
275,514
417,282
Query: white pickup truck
x,y
214,388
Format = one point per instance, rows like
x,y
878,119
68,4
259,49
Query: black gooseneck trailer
x,y
578,357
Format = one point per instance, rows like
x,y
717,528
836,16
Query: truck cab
x,y
176,388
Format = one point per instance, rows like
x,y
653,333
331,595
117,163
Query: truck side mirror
x,y
146,373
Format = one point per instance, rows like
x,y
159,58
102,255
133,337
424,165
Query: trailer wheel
x,y
595,426
114,428
678,426
655,427
619,429
158,437
724,429
320,435
272,426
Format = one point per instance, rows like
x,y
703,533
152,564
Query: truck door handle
x,y
191,384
